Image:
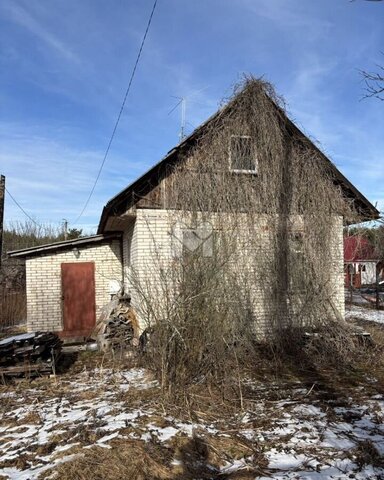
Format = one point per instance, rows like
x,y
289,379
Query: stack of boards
x,y
29,354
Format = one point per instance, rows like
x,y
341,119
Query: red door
x,y
78,294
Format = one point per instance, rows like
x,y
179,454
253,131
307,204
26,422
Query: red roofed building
x,y
360,261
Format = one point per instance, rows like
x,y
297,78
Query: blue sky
x,y
65,65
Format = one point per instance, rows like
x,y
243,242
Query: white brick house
x,y
136,243
100,260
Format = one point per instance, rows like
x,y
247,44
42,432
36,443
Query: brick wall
x,y
146,247
44,307
337,277
150,245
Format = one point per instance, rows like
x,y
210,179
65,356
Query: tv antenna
x,y
183,102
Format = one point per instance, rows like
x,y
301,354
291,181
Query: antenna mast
x,y
183,103
183,116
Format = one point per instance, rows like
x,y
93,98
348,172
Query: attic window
x,y
242,157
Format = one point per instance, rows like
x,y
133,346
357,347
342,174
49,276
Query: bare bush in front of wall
x,y
18,235
257,193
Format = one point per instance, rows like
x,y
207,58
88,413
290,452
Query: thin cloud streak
x,y
22,17
61,86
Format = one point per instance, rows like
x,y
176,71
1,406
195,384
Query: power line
x,y
21,208
120,113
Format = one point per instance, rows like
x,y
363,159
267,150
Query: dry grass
x,y
369,360
184,458
125,460
367,454
205,454
305,365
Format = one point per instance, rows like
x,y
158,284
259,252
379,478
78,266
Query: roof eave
x,y
63,245
119,198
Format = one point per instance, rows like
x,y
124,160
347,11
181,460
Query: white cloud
x,y
80,57
289,15
52,180
18,14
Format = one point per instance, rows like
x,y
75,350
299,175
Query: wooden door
x,y
78,296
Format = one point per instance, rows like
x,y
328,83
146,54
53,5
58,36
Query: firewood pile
x,y
120,330
29,353
119,333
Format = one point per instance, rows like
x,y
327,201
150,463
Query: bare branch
x,y
374,82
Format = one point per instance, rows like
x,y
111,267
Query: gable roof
x,y
359,249
150,179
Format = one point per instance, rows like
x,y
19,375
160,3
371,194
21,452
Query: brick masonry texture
x,y
149,246
44,305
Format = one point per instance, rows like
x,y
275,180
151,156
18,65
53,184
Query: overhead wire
x,y
21,208
120,112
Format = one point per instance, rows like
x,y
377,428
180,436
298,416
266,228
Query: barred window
x,y
242,155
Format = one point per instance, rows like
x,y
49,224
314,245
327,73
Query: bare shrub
x,y
274,227
332,345
19,235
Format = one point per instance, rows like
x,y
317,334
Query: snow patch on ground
x,y
367,314
300,436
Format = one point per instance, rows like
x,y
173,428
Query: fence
x,y
13,308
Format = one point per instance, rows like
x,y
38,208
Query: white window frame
x,y
240,170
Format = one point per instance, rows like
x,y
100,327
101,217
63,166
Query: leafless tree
x,y
374,83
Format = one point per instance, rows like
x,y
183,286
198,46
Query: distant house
x,y
68,283
360,261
